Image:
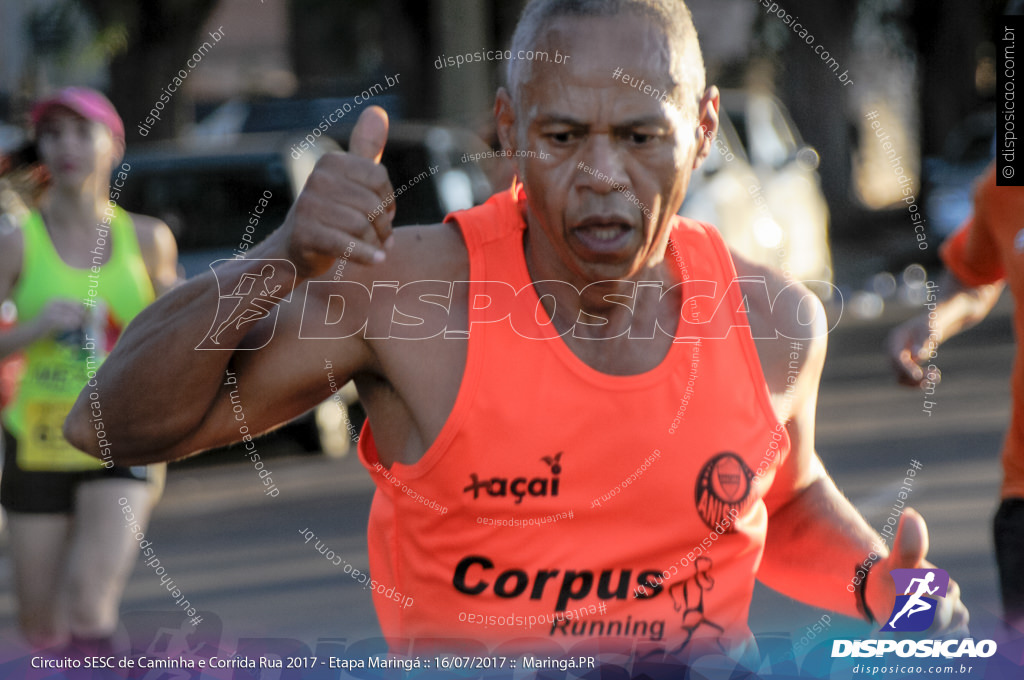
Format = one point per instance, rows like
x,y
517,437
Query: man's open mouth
x,y
603,237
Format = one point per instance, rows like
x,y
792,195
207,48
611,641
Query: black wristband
x,y
862,602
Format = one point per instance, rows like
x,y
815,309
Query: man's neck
x,y
581,304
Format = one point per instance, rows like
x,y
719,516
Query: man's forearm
x,y
156,387
959,307
816,548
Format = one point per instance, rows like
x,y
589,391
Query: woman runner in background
x,y
77,269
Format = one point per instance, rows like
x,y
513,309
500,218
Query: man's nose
x,y
603,169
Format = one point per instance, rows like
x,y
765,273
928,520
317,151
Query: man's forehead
x,y
599,80
626,40
562,113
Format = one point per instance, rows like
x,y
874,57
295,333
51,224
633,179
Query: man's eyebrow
x,y
643,121
558,119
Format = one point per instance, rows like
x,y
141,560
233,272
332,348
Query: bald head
x,y
671,16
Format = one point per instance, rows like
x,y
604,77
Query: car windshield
x,y
210,206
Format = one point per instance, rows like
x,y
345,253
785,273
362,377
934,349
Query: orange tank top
x,y
561,504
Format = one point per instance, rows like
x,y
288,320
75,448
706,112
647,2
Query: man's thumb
x,y
910,546
370,134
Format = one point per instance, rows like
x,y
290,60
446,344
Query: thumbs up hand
x,y
344,209
909,549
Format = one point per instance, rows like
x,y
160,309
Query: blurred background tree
x,y
147,43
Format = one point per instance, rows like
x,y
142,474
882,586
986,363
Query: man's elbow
x,y
79,433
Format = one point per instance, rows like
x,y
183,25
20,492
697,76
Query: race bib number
x,y
43,447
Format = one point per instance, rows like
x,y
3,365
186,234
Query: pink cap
x,y
87,103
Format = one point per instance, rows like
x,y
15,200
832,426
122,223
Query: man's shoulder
x,y
434,252
787,320
779,306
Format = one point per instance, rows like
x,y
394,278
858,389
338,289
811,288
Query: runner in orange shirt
x,y
984,255
542,377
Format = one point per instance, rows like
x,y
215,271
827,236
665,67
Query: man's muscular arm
x,y
816,539
161,399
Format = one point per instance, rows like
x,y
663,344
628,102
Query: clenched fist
x,y
340,207
909,549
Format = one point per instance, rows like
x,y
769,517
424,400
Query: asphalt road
x,y
240,558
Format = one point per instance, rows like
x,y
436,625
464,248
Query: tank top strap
x,y
37,246
492,221
126,241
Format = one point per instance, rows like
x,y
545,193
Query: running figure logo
x,y
688,596
914,610
253,297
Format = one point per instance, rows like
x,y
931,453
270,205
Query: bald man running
x,y
676,429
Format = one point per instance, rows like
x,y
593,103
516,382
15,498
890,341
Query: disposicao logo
x,y
917,593
914,610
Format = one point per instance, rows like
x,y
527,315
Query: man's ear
x,y
707,129
505,119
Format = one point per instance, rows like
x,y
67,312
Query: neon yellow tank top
x,y
57,368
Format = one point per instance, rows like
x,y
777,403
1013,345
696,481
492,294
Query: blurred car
x,y
949,179
722,192
412,148
208,193
761,188
271,114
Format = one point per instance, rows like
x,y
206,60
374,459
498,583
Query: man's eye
x,y
640,137
562,137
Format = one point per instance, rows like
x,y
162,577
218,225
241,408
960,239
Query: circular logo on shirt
x,y
723,490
